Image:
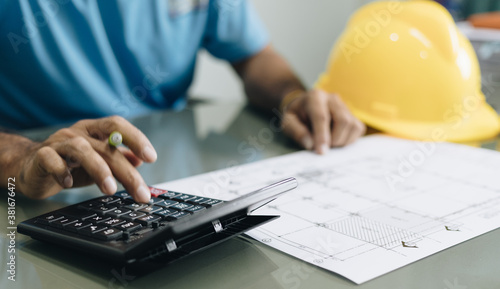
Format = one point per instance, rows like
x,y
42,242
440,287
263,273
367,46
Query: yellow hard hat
x,y
405,69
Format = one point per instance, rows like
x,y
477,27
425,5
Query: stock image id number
x,y
11,202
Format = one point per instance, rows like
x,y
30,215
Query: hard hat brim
x,y
480,124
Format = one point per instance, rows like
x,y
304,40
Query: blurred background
x,y
304,33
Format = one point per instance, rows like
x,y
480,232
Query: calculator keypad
x,y
128,226
74,227
92,229
114,217
109,234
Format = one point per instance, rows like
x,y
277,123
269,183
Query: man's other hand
x,y
318,120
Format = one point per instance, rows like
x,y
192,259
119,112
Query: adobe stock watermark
x,y
257,143
489,84
153,77
371,29
121,279
250,148
301,271
11,253
33,25
298,272
453,118
225,6
453,284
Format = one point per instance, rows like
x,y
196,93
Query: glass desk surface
x,y
202,138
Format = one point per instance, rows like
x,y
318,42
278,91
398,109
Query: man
x,y
67,60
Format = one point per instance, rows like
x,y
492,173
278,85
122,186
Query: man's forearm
x,y
267,78
12,149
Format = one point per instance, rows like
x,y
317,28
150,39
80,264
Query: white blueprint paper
x,y
372,207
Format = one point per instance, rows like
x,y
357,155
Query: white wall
x,y
303,31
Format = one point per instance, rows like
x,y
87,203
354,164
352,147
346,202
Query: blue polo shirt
x,y
65,60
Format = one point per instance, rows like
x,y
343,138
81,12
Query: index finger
x,y
342,121
319,115
133,138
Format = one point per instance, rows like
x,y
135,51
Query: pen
x,y
115,139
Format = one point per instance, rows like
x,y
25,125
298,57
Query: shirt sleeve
x,y
234,30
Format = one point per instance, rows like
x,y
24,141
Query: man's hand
x,y
80,155
319,120
316,120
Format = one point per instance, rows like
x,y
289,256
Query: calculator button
x,y
62,222
199,200
108,199
127,201
195,209
150,209
147,220
122,202
181,206
86,216
109,234
177,216
118,212
92,229
155,192
154,200
128,227
184,197
132,216
50,218
166,203
98,219
74,227
78,213
123,194
135,206
101,210
90,205
113,222
169,195
212,202
164,213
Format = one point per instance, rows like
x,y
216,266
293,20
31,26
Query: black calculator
x,y
171,226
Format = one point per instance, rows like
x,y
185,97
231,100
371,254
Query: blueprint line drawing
x,y
367,209
373,232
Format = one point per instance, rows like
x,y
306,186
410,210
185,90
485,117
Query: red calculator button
x,y
155,192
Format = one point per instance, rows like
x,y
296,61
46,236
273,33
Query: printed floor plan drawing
x,y
370,208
